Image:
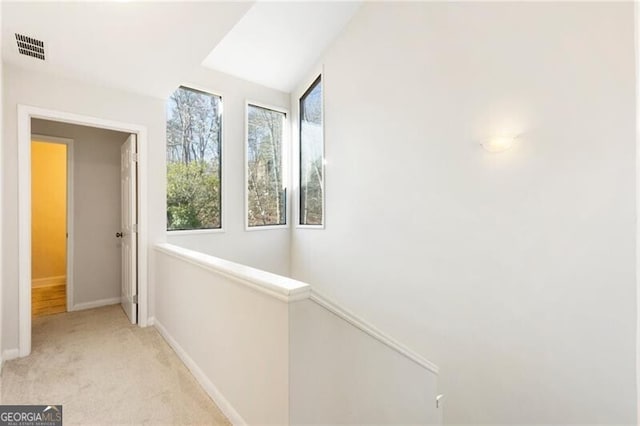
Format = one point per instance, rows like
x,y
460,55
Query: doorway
x,y
139,283
51,224
95,210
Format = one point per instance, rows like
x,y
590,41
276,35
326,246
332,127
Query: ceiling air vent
x,y
30,46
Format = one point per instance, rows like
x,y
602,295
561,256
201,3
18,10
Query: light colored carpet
x,y
104,370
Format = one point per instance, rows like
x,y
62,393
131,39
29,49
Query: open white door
x,y
128,232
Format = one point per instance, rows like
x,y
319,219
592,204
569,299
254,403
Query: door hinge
x,y
134,227
135,157
135,298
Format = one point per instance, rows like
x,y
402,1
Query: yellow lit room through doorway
x,y
48,228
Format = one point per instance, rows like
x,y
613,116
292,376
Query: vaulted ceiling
x,y
151,47
275,43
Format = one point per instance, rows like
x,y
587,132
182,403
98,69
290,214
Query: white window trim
x,y
178,232
223,184
320,73
286,175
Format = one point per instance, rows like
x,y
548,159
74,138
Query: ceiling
x,y
151,47
276,43
144,47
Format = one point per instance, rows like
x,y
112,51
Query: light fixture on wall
x,y
498,143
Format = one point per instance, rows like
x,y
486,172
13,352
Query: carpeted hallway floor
x,y
105,371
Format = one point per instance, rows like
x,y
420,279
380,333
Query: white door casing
x,y
25,114
128,231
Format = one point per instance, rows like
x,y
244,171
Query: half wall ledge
x,y
278,286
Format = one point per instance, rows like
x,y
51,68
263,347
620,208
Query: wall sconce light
x,y
499,143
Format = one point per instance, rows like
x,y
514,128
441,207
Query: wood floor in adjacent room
x,y
48,299
104,370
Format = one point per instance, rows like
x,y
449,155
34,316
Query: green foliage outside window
x,y
193,160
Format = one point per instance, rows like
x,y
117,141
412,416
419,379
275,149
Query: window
x,y
311,156
194,166
266,194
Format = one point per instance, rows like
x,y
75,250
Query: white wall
x,y
96,187
339,374
234,338
513,272
1,193
637,57
269,351
50,92
264,249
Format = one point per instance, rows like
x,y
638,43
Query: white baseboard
x,y
9,354
151,321
95,304
206,383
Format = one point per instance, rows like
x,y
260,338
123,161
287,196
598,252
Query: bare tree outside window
x,y
311,156
194,129
266,195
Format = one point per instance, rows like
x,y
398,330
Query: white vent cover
x,y
30,46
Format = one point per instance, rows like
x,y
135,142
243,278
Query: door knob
x,y
119,234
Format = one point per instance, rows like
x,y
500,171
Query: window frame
x,y
319,78
223,197
285,164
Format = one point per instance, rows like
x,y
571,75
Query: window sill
x,y
265,227
178,233
310,227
